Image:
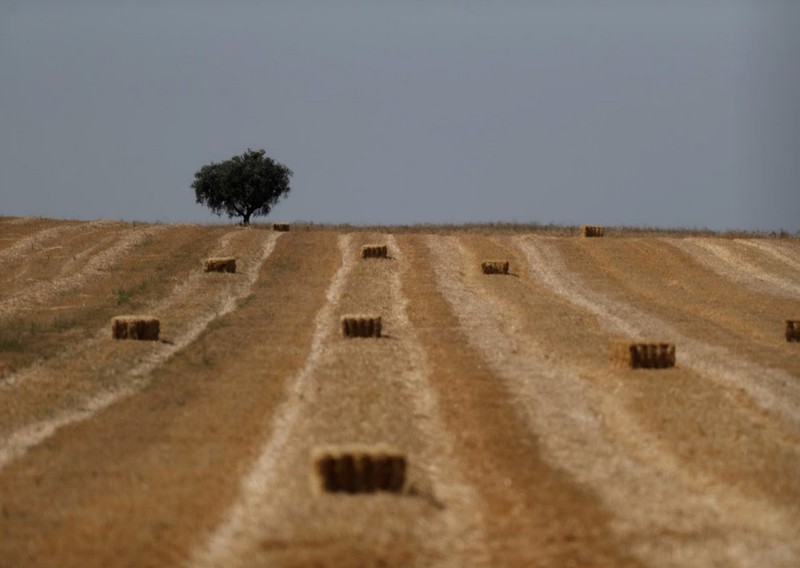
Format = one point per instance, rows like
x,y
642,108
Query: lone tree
x,y
246,185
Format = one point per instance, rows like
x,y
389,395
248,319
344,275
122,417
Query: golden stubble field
x,y
525,444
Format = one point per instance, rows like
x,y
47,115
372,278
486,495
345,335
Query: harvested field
x,y
486,427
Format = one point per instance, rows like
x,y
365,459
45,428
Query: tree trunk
x,y
246,219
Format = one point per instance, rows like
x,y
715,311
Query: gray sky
x,y
635,112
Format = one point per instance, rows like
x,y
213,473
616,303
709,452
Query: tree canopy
x,y
246,185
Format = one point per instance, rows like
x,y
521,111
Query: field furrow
x,y
742,264
97,265
236,538
144,276
363,391
767,388
50,252
673,286
155,472
691,432
80,318
459,536
785,252
19,220
534,514
18,240
86,380
526,443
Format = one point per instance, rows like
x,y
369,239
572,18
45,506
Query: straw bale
x,y
361,326
374,251
644,355
357,469
592,231
495,267
792,330
220,264
135,327
280,227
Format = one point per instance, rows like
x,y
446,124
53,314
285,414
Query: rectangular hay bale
x,y
280,227
135,327
644,355
495,267
374,251
592,231
357,469
361,326
220,264
793,330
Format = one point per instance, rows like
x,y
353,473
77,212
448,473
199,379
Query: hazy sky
x,y
634,112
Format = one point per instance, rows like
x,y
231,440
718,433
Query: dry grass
x,y
135,327
533,228
357,469
222,401
592,231
162,467
644,355
792,330
220,264
280,227
495,267
477,402
143,276
361,326
374,251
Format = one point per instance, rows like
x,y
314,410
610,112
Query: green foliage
x,y
11,341
246,185
17,336
125,295
61,325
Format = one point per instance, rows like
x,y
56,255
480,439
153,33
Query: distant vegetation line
x,y
551,229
